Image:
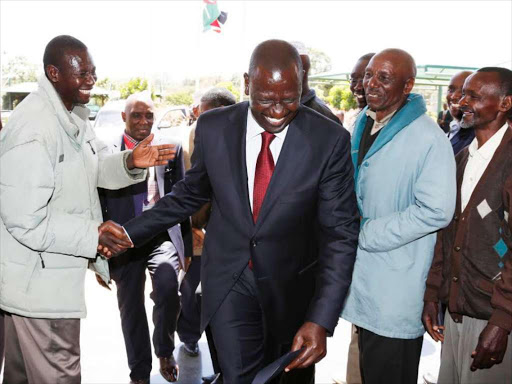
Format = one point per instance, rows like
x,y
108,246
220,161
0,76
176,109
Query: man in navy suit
x,y
282,236
162,256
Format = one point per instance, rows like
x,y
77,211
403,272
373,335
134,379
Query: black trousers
x,y
385,360
129,272
243,343
189,322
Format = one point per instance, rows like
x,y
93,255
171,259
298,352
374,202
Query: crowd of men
x,y
399,227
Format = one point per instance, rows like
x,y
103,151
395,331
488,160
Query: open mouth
x,y
85,92
359,96
275,122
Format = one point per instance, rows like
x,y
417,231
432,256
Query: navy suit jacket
x,y
119,205
304,242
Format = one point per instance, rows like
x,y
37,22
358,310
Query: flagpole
x,y
242,80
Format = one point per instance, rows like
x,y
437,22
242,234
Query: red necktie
x,y
263,173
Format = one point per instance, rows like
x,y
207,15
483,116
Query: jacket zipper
x,y
42,261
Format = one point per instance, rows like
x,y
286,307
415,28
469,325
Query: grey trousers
x,y
2,340
42,351
460,340
353,367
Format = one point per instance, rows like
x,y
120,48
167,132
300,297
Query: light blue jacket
x,y
406,191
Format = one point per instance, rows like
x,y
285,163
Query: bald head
x,y
388,80
138,115
275,55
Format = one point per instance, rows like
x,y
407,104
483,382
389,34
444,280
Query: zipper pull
x,y
42,261
92,149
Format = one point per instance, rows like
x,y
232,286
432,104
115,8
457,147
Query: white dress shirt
x,y
454,129
253,148
479,159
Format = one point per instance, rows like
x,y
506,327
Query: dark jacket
x,y
303,244
312,101
472,267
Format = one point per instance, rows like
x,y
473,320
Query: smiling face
x,y
356,82
274,96
138,116
480,102
387,82
454,93
74,77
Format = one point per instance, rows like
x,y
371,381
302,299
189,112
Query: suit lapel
x,y
234,135
294,150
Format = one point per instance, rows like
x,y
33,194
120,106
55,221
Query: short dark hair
x,y
367,57
278,53
58,46
218,97
505,78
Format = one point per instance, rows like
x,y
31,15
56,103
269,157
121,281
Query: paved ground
x,y
104,357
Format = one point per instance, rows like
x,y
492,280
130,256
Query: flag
x,y
212,16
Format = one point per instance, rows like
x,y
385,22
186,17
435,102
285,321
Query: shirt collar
x,y
254,129
129,141
487,150
382,122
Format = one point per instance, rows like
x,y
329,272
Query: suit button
x,y
366,164
457,248
253,243
455,279
455,217
235,276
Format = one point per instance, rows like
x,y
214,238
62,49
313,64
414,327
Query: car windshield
x,y
108,118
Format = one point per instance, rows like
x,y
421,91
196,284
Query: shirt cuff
x,y
127,235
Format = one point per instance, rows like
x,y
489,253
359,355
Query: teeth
x,y
274,121
85,92
455,105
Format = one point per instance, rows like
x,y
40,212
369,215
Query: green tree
x,y
180,98
230,87
19,70
341,98
134,85
320,61
106,83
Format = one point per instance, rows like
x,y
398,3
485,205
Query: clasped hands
x,y
492,342
112,239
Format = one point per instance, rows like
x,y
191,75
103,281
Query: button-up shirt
x,y
479,159
253,148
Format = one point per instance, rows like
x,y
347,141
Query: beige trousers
x,y
41,351
353,368
459,341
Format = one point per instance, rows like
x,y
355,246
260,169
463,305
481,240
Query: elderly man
x,y
281,238
51,165
162,257
405,186
472,268
459,138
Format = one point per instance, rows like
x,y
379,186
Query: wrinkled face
x,y
454,93
356,82
480,102
75,77
385,84
274,96
139,119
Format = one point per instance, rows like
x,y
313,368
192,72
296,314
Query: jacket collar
x,y
75,133
413,108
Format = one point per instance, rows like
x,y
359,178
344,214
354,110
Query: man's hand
x,y
146,155
429,320
112,239
313,337
491,347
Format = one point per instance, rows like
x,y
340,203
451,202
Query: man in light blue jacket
x,y
405,187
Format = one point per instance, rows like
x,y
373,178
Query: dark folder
x,y
275,368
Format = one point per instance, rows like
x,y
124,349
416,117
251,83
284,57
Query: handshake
x,y
113,239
